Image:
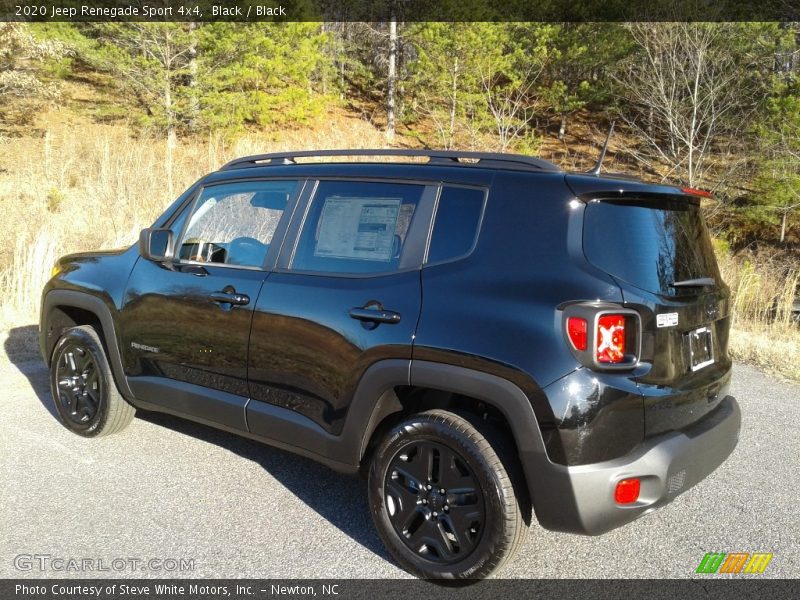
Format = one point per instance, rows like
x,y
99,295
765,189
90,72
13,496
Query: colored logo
x,y
734,562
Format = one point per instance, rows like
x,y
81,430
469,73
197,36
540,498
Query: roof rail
x,y
438,157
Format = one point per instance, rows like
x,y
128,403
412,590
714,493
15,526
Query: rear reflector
x,y
611,339
627,491
577,330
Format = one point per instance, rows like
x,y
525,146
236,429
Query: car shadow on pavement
x,y
22,349
340,499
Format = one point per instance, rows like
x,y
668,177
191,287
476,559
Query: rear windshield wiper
x,y
699,282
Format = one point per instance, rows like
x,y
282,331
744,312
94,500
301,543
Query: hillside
x,y
93,148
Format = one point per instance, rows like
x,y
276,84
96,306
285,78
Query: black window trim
x,y
280,231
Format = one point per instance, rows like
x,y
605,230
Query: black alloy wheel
x,y
447,496
78,384
434,501
84,391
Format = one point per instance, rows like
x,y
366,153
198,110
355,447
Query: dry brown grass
x,y
83,186
773,350
762,331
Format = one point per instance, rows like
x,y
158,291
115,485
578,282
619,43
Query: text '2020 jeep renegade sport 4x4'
x,y
479,334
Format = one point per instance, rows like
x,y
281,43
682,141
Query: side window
x,y
233,223
458,218
357,227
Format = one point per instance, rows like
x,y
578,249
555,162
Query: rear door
x,y
346,294
659,251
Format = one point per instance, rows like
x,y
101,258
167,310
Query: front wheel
x,y
86,397
446,497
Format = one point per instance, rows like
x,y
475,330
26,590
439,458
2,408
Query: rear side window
x,y
650,244
357,227
458,217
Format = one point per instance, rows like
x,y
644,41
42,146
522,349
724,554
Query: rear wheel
x,y
83,388
445,496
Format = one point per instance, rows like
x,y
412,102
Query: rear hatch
x,y
658,249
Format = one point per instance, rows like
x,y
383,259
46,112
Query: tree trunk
x,y
563,128
453,104
392,79
194,101
784,218
693,127
172,138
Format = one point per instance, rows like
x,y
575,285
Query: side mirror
x,y
156,244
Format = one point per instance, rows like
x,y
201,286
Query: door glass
x,y
233,224
357,227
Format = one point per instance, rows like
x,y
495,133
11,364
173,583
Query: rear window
x,y
650,245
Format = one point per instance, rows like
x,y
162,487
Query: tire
x,y
84,392
473,533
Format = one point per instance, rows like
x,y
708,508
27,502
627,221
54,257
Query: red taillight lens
x,y
577,332
627,491
610,339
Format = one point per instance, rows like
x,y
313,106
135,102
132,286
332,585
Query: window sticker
x,y
362,228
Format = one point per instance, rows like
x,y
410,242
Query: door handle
x,y
375,315
229,298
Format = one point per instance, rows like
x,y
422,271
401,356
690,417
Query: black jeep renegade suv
x,y
478,334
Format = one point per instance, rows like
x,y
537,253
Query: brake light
x,y
610,338
577,332
627,491
696,192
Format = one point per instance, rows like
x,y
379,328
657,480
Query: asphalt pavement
x,y
172,491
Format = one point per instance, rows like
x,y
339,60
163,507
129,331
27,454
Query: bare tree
x,y
442,112
685,87
509,102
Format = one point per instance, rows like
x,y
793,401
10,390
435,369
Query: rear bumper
x,y
580,499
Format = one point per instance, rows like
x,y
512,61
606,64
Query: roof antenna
x,y
596,169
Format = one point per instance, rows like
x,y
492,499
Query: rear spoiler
x,y
587,187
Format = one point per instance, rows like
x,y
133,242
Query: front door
x,y
345,295
186,323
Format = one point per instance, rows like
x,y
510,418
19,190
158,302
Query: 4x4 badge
x,y
667,320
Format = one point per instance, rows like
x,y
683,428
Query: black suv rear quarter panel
x,y
497,311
